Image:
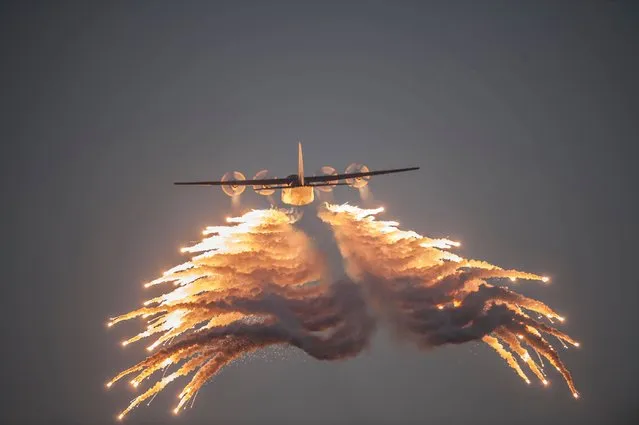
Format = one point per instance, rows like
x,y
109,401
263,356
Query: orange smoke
x,y
436,297
248,286
259,281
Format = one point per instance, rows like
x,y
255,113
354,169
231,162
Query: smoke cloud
x,y
260,281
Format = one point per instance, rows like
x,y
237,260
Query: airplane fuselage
x,y
298,195
294,179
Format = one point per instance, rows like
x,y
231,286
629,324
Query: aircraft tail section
x,y
300,163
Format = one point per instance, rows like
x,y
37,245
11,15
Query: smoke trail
x,y
435,297
259,281
253,284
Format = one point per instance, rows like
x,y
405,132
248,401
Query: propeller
x,y
327,170
261,189
233,190
357,182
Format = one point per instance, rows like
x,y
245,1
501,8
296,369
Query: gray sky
x,y
522,115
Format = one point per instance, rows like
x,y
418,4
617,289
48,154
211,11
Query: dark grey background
x,y
522,115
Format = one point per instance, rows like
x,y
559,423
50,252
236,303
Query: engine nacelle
x,y
357,182
231,189
298,196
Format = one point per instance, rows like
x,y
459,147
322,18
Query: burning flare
x,y
435,297
253,284
259,282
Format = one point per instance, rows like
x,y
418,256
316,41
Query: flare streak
x,y
259,282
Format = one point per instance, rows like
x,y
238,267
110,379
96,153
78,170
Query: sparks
x,y
248,286
380,249
229,261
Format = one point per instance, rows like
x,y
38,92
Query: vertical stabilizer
x,y
300,163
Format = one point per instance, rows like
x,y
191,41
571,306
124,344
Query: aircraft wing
x,y
282,181
328,184
336,177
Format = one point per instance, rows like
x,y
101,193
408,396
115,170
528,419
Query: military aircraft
x,y
297,189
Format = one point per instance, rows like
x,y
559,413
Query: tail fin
x,y
300,163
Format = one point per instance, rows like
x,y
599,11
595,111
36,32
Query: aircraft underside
x,y
298,196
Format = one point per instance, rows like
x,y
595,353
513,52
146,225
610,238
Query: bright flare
x,y
231,263
259,282
405,271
